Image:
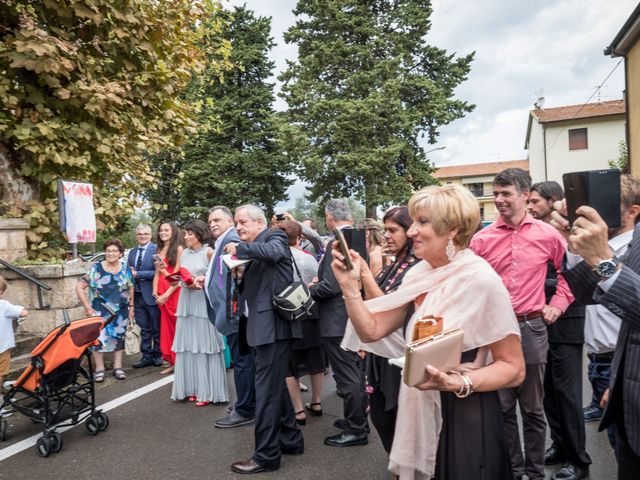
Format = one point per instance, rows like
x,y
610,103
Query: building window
x,y
578,139
476,188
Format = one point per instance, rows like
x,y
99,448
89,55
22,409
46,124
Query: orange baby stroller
x,y
56,390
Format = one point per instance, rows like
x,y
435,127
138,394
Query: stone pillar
x,y
13,239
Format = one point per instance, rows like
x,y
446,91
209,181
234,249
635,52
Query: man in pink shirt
x,y
518,247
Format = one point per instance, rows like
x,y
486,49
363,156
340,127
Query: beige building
x,y
626,44
574,138
478,178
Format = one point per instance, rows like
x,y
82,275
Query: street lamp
x,y
434,149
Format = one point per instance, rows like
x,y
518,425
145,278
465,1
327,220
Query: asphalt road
x,y
152,437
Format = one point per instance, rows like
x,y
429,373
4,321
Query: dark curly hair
x,y
199,229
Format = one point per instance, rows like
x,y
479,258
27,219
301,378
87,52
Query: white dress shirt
x,y
601,326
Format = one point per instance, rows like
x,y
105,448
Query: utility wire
x,y
597,89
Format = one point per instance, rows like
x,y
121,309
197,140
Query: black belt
x,y
607,356
529,316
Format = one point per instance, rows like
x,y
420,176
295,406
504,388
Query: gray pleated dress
x,y
200,368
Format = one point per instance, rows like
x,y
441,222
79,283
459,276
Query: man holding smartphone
x,y
597,274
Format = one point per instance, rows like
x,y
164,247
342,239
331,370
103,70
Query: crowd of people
x,y
527,291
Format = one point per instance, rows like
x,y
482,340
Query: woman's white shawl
x,y
468,294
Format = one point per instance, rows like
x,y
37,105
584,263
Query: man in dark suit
x,y
563,375
333,320
603,278
268,273
219,288
146,311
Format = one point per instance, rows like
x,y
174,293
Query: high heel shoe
x,y
202,404
192,398
301,421
315,412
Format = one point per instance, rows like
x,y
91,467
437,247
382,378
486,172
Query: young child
x,y
8,312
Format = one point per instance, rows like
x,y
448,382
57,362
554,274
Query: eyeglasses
x,y
140,234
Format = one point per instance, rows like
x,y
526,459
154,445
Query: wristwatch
x,y
606,268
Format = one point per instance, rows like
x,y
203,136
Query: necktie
x,y
139,260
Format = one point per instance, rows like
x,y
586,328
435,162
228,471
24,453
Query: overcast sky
x,y
524,49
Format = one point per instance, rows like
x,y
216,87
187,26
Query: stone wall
x,y
13,241
62,279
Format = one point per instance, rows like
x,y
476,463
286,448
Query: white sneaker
x,y
5,412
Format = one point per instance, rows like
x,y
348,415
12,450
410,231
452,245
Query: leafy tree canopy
x,y
366,85
87,88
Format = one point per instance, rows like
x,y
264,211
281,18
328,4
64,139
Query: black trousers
x,y
148,318
276,429
563,401
350,382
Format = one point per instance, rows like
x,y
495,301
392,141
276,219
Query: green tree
x,y
622,162
87,89
236,158
365,87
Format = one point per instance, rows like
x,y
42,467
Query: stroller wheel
x,y
103,421
56,442
43,446
3,429
92,425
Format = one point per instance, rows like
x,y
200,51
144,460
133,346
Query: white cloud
x,y
521,47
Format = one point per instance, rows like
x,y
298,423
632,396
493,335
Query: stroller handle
x,y
112,311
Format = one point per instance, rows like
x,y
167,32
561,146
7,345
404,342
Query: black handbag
x,y
295,302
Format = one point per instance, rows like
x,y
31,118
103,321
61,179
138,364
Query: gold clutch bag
x,y
441,350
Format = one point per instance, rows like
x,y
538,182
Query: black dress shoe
x,y
157,362
571,472
345,439
145,362
247,466
553,456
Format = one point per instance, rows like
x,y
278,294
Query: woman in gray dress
x,y
200,373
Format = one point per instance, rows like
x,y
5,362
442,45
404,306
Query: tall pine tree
x,y
239,160
365,87
235,158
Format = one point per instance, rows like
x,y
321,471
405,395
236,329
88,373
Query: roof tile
x,y
476,169
571,112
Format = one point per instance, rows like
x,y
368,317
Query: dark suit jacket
x,y
216,291
569,328
144,276
623,299
331,309
269,272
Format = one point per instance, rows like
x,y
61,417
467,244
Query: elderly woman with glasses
x,y
109,281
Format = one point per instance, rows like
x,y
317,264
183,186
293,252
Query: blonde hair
x,y
450,207
3,285
376,236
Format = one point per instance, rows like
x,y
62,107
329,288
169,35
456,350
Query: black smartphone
x,y
599,189
357,240
344,248
280,217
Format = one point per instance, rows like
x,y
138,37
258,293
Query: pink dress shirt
x,y
520,255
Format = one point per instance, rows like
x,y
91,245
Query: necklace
x,y
111,268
